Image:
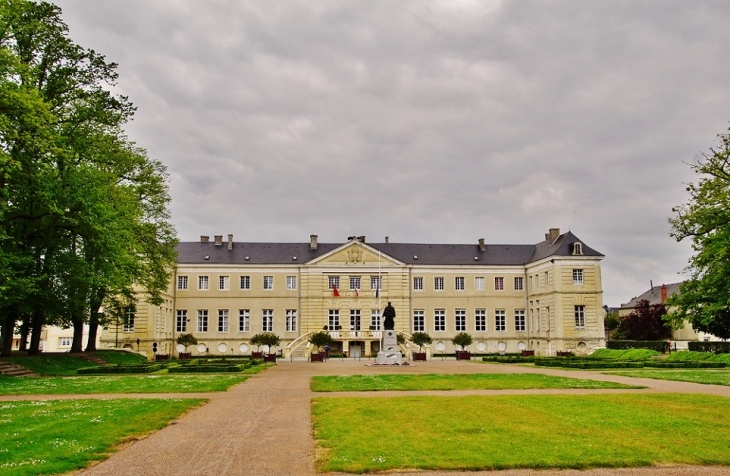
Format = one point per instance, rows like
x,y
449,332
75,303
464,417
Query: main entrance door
x,y
355,350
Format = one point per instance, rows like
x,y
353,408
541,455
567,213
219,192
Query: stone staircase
x,y
12,370
93,359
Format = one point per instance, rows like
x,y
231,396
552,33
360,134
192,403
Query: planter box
x,y
162,357
270,358
461,355
317,357
528,353
564,353
185,355
257,355
419,356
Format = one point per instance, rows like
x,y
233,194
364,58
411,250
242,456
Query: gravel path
x,y
262,426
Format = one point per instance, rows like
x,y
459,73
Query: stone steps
x,y
14,370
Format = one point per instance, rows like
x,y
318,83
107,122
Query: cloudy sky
x,y
426,121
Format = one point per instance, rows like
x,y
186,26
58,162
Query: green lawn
x,y
51,437
120,357
51,364
706,376
452,382
526,431
119,384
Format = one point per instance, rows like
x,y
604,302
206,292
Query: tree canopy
x,y
646,322
704,298
83,211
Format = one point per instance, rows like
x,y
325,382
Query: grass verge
x,y
709,377
51,364
527,431
452,382
51,437
168,383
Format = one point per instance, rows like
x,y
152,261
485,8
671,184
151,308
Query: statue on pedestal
x,y
389,317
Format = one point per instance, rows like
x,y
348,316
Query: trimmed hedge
x,y
626,354
657,345
206,369
508,359
121,369
587,364
687,364
715,347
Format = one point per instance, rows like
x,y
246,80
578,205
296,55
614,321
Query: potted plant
x,y
319,340
420,339
256,340
186,340
462,339
270,340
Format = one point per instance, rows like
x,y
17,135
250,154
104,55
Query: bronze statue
x,y
389,317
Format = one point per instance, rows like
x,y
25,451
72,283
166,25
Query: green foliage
x,y
588,363
656,345
120,357
542,431
462,339
51,364
698,357
420,339
646,322
400,339
320,339
120,369
705,219
717,347
611,321
268,339
90,430
207,368
628,354
709,377
187,340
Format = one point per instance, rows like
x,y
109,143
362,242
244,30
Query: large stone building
x,y
546,297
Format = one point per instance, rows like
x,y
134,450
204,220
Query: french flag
x,y
335,292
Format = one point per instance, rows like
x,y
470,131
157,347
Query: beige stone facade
x,y
545,297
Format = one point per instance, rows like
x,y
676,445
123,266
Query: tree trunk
x,y
39,318
96,301
24,331
8,327
77,344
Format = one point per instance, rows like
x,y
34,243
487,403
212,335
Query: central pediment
x,y
355,254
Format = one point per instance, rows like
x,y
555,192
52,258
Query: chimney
x,y
312,242
230,242
361,239
553,234
204,238
664,293
481,244
387,239
218,240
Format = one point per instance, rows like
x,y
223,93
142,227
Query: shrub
x,y
122,369
716,347
420,339
462,339
320,339
508,359
587,364
187,340
628,354
206,369
657,345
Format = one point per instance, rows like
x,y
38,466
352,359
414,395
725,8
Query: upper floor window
x,y
547,279
223,283
374,282
577,249
181,320
355,282
291,283
438,283
129,320
459,283
518,283
479,283
375,319
499,283
418,283
577,276
580,317
268,282
245,282
333,282
203,283
182,282
334,319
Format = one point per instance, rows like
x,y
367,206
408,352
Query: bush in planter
x,y
268,339
462,339
320,340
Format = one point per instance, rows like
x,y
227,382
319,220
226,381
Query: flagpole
x,y
380,307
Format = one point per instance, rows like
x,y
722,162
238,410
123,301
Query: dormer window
x,y
577,248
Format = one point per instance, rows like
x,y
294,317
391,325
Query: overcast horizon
x,y
426,121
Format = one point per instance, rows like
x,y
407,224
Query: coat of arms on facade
x,y
354,255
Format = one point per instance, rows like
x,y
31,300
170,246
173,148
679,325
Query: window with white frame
x,y
439,320
530,282
577,276
268,282
438,283
291,320
547,279
203,283
537,315
354,319
518,283
577,248
333,282
479,283
375,319
480,320
291,283
580,317
244,324
182,282
460,320
459,283
520,320
128,320
181,320
334,319
222,320
202,320
499,283
65,341
245,282
355,283
223,282
500,320
418,283
419,320
267,320
374,282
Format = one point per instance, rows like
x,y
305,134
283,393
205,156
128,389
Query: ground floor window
x,y
129,320
519,319
480,320
500,320
222,320
375,319
291,320
267,320
202,320
181,320
419,321
243,320
439,320
354,319
580,317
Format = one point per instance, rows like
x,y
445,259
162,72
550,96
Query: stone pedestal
x,y
390,354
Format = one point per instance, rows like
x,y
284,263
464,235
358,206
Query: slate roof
x,y
246,253
653,295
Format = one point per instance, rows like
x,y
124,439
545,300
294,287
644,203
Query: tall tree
x,y
704,299
644,323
